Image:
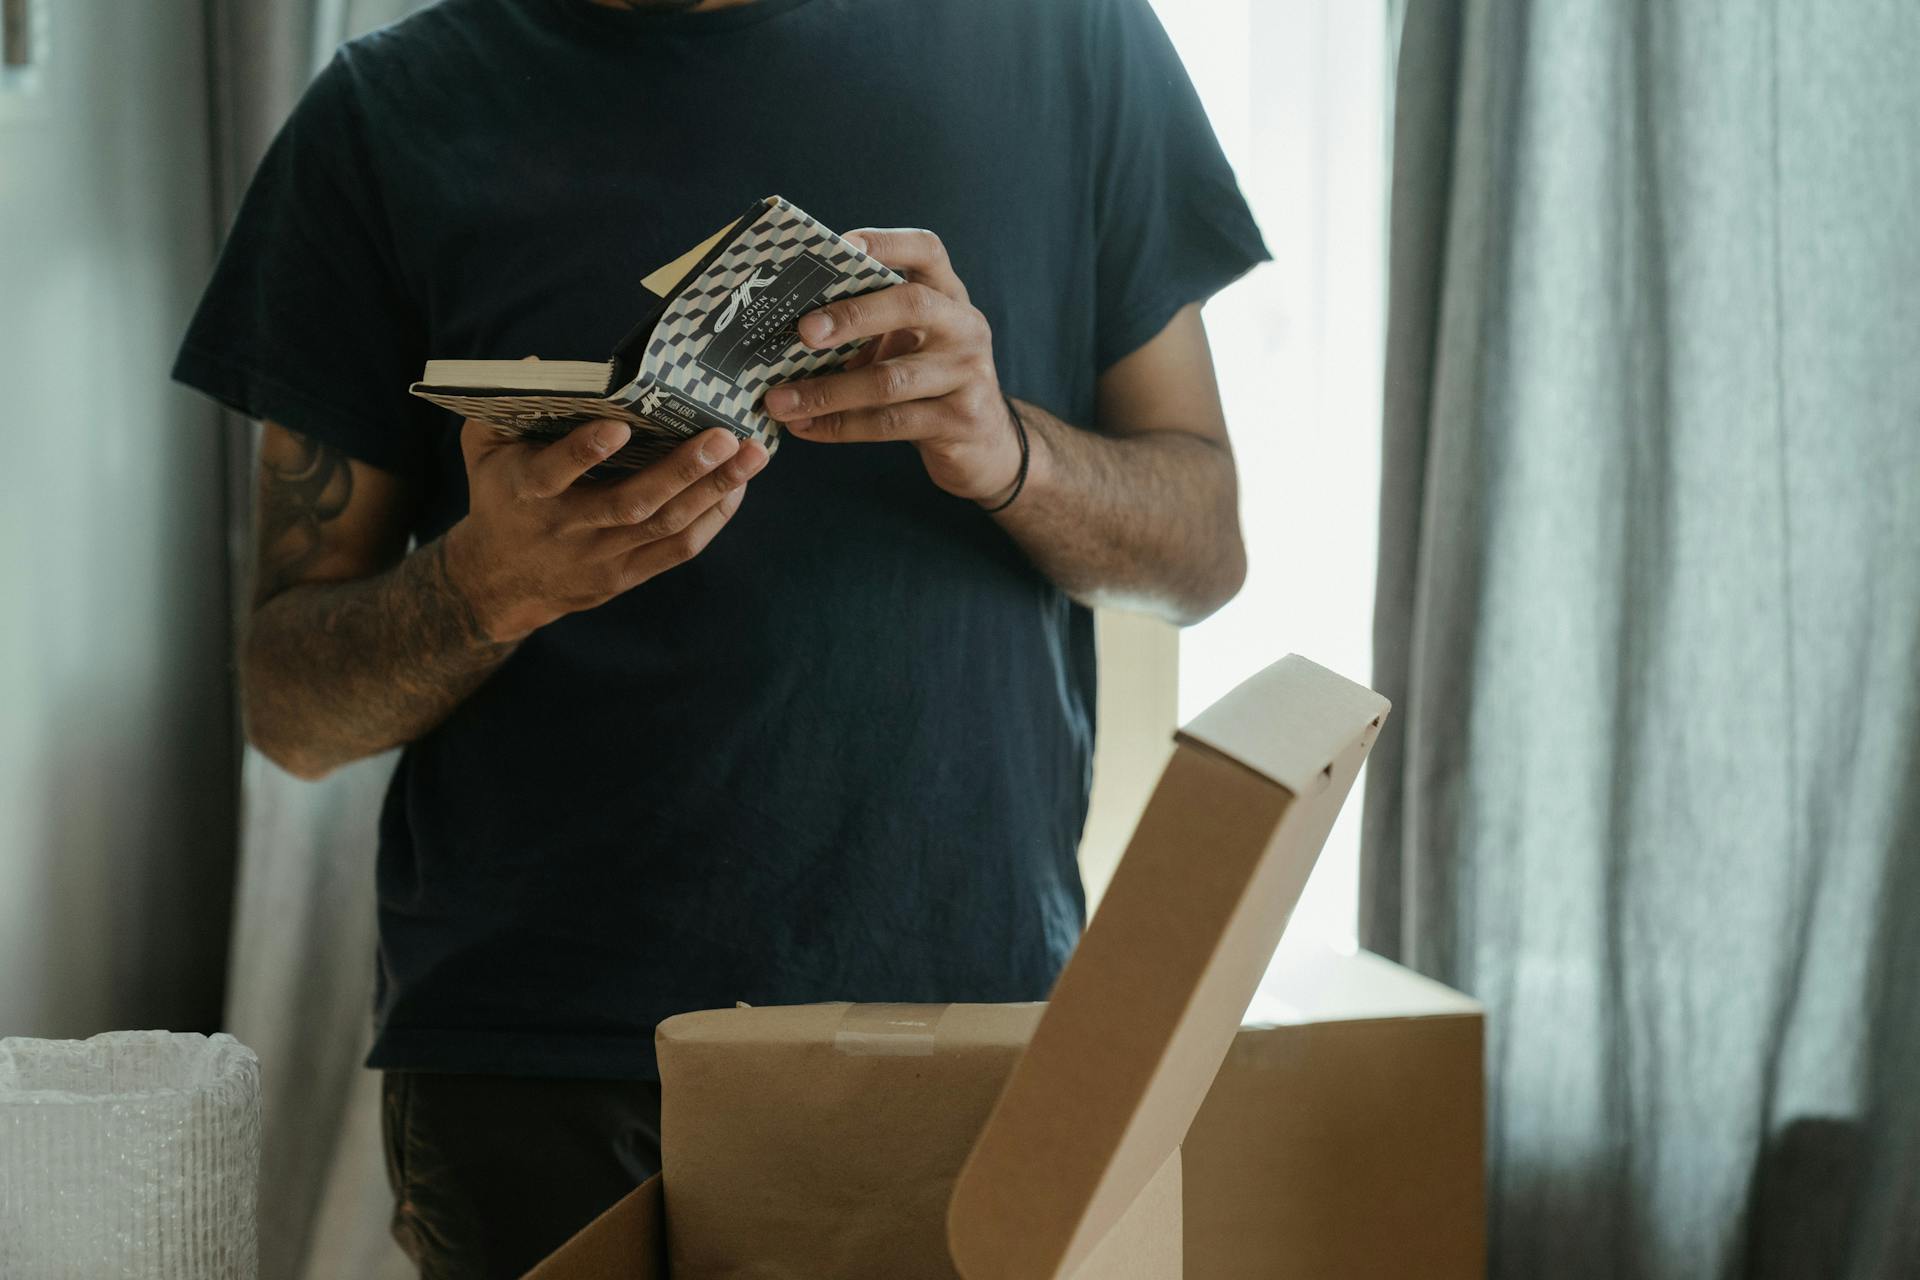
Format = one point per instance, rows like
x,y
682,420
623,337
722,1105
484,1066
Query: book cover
x,y
720,335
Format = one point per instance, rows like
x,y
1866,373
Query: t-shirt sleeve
x,y
306,320
1172,225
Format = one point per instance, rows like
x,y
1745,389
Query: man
x,y
815,728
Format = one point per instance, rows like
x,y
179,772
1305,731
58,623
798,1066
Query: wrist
x,y
1002,498
495,618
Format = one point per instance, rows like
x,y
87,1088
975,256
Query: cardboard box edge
x,y
626,1242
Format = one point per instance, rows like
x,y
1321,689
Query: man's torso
x,y
842,755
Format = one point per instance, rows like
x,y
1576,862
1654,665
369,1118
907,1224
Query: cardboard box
x,y
818,1141
1343,1134
843,1125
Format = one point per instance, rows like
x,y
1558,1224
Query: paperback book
x,y
718,333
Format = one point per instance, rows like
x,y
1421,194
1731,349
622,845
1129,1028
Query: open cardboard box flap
x,y
1150,1002
1077,1172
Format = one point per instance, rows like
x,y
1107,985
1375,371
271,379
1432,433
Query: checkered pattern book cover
x,y
724,337
728,335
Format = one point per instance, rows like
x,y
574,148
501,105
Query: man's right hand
x,y
535,546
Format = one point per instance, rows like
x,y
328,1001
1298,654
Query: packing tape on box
x,y
901,1030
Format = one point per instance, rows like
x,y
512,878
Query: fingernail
x,y
717,447
858,242
816,328
782,400
609,436
800,424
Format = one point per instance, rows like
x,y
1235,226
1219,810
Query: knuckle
x,y
691,468
632,510
683,546
631,576
921,301
666,522
893,379
581,453
608,580
965,404
889,421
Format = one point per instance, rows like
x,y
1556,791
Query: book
x,y
718,333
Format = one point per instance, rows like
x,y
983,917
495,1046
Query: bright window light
x,y
1296,90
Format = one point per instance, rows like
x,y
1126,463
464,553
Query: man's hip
x,y
492,1173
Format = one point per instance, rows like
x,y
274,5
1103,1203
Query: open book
x,y
720,333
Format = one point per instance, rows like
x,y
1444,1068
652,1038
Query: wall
x,y
1136,717
116,800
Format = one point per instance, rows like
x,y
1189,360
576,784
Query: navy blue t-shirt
x,y
844,753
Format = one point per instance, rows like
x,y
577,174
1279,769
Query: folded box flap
x,y
1147,1008
1287,722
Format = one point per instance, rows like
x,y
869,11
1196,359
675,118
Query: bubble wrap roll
x,y
134,1153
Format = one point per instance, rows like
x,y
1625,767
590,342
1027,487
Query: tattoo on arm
x,y
299,492
344,658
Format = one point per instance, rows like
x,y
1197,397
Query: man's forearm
x,y
1142,518
1145,521
337,671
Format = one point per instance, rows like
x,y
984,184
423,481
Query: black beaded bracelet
x,y
1020,478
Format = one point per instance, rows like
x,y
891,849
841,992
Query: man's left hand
x,y
927,377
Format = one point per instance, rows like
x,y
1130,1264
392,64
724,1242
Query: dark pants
x,y
492,1173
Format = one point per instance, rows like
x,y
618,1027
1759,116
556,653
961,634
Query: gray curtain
x,y
300,977
1649,609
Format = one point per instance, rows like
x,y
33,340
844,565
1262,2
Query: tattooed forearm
x,y
304,485
336,671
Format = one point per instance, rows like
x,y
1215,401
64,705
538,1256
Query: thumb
x,y
478,438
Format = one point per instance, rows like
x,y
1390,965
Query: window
x,y
1297,92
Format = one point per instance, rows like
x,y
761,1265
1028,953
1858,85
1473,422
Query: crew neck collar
x,y
632,23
